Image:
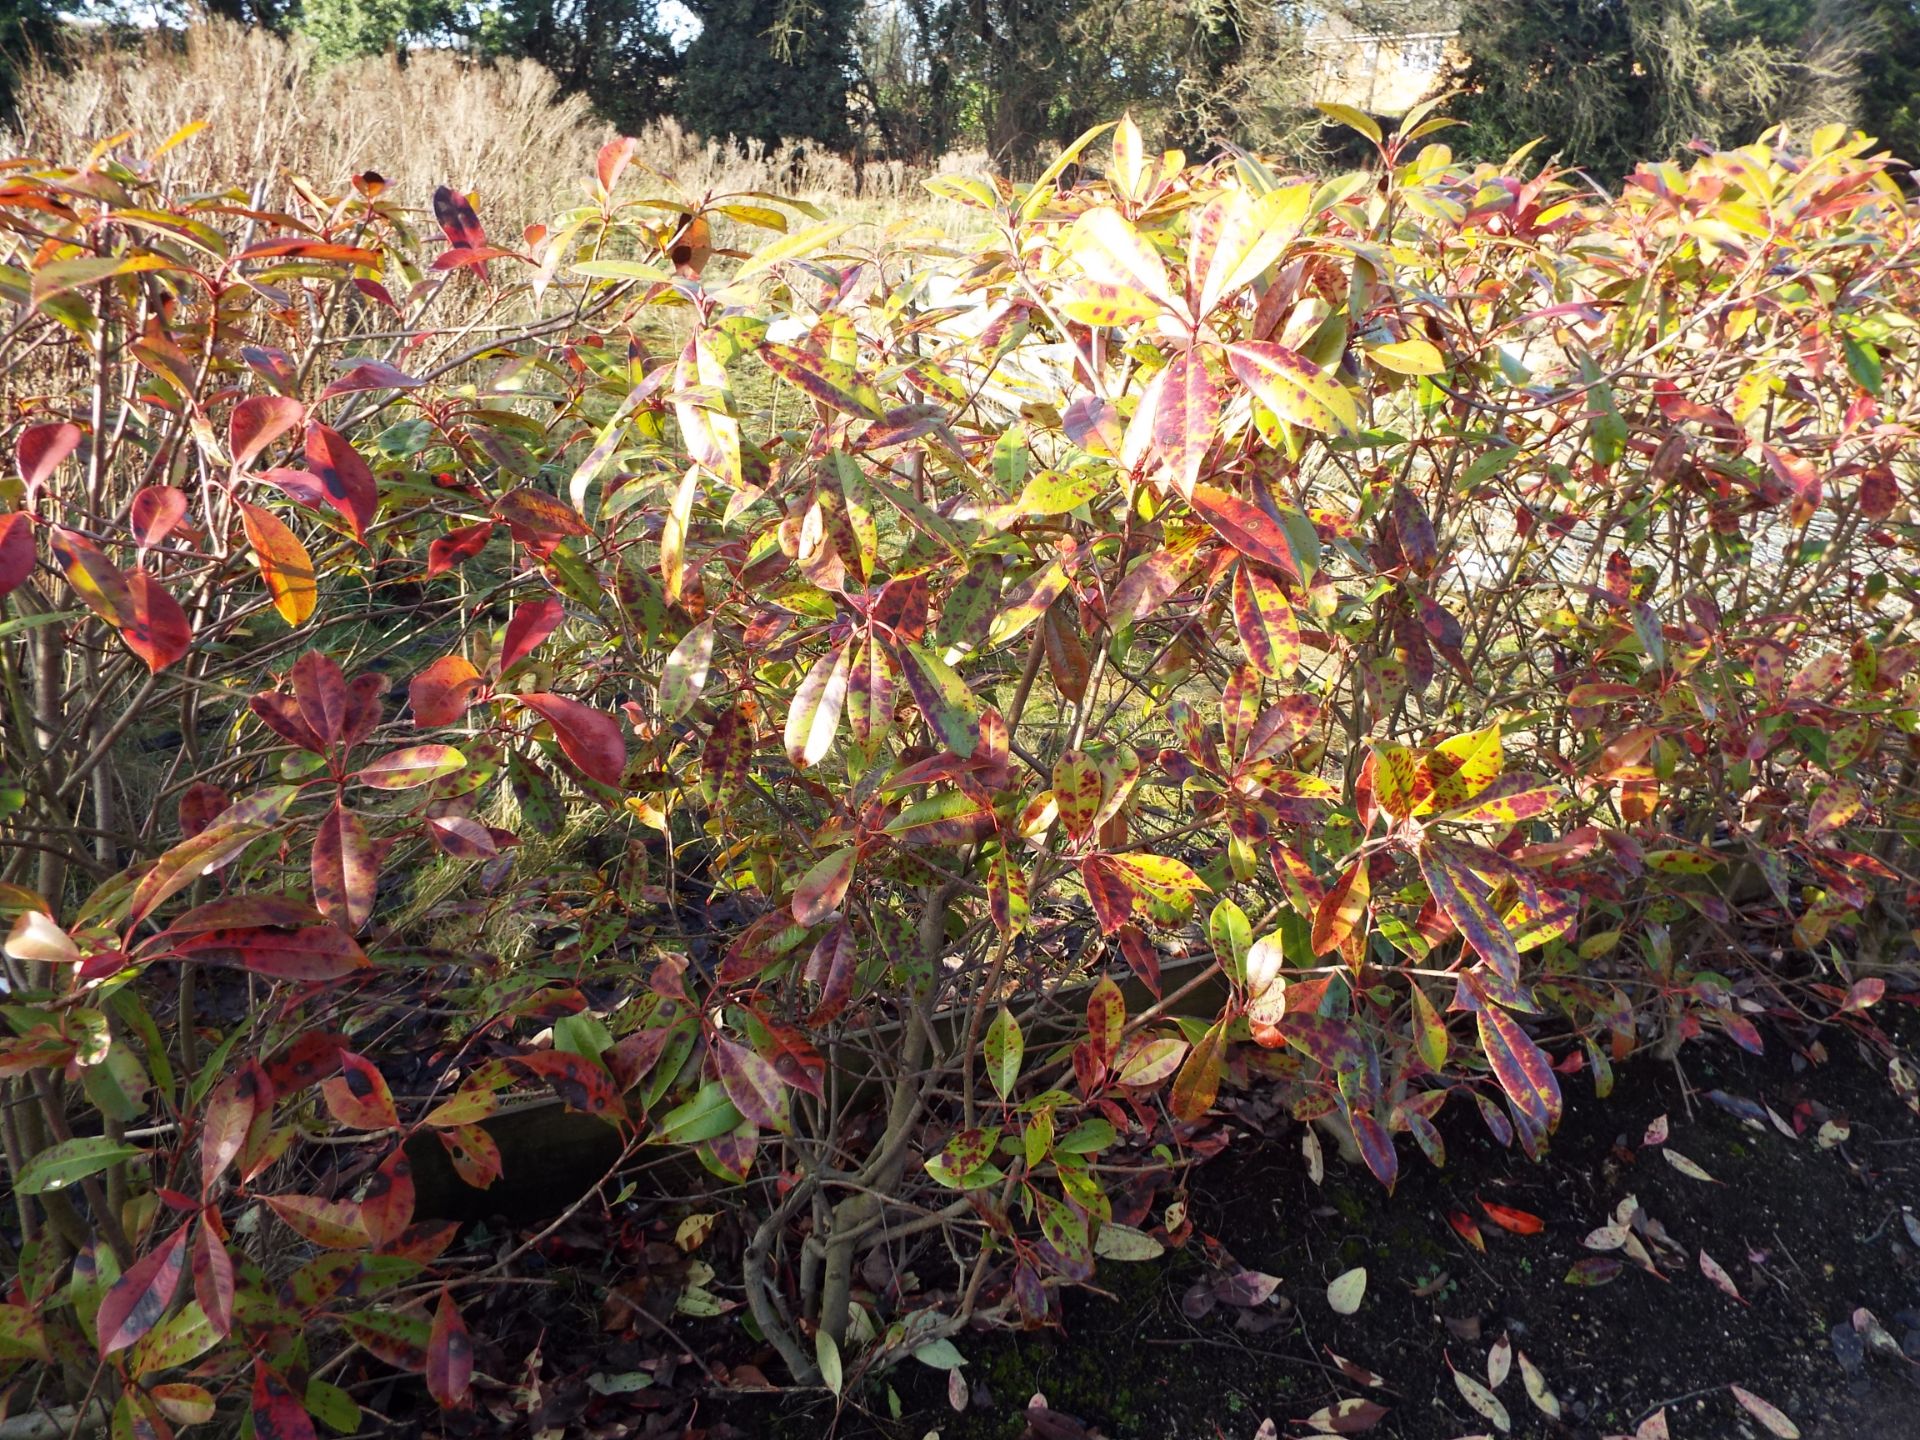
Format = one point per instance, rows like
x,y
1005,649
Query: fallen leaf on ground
x,y
1687,1167
1346,1291
1768,1415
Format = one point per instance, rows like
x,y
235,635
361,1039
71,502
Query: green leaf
x,y
943,697
684,677
1351,117
624,270
1004,1049
827,1353
333,1407
707,1115
1231,935
952,817
1123,1242
1429,1031
940,1354
58,1166
791,247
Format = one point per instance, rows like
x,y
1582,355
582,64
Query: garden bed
x,y
1808,1231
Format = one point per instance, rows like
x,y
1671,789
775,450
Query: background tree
x,y
615,52
346,29
916,76
1612,82
1192,71
26,26
1890,79
769,71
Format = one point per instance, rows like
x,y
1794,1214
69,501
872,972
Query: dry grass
x,y
501,130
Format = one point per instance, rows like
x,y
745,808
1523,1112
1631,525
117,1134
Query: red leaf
x,y
200,805
155,511
316,953
455,214
1341,909
257,422
228,1116
1520,1222
358,1096
277,1413
1879,492
461,259
300,248
1463,899
344,478
532,623
462,838
1414,528
588,738
538,520
1185,418
823,887
612,161
457,546
1112,897
449,1355
213,1274
156,628
312,1057
1141,957
321,692
832,966
369,375
1863,994
751,1083
41,448
1376,1147
373,289
301,485
1106,1018
1464,1227
140,1297
281,714
344,869
580,1083
1246,527
364,707
387,1206
16,552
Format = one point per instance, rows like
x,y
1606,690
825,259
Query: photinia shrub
x,y
918,737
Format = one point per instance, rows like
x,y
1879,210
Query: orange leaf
x,y
285,566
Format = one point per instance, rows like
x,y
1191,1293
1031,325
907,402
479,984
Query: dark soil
x,y
1809,1233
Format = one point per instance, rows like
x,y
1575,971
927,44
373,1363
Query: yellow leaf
x,y
1409,357
285,565
1352,118
1460,768
1109,249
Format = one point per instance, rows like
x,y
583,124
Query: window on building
x,y
1421,53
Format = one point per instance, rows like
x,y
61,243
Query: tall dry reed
x,y
501,129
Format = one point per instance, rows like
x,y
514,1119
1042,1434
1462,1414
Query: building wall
x,y
1381,74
